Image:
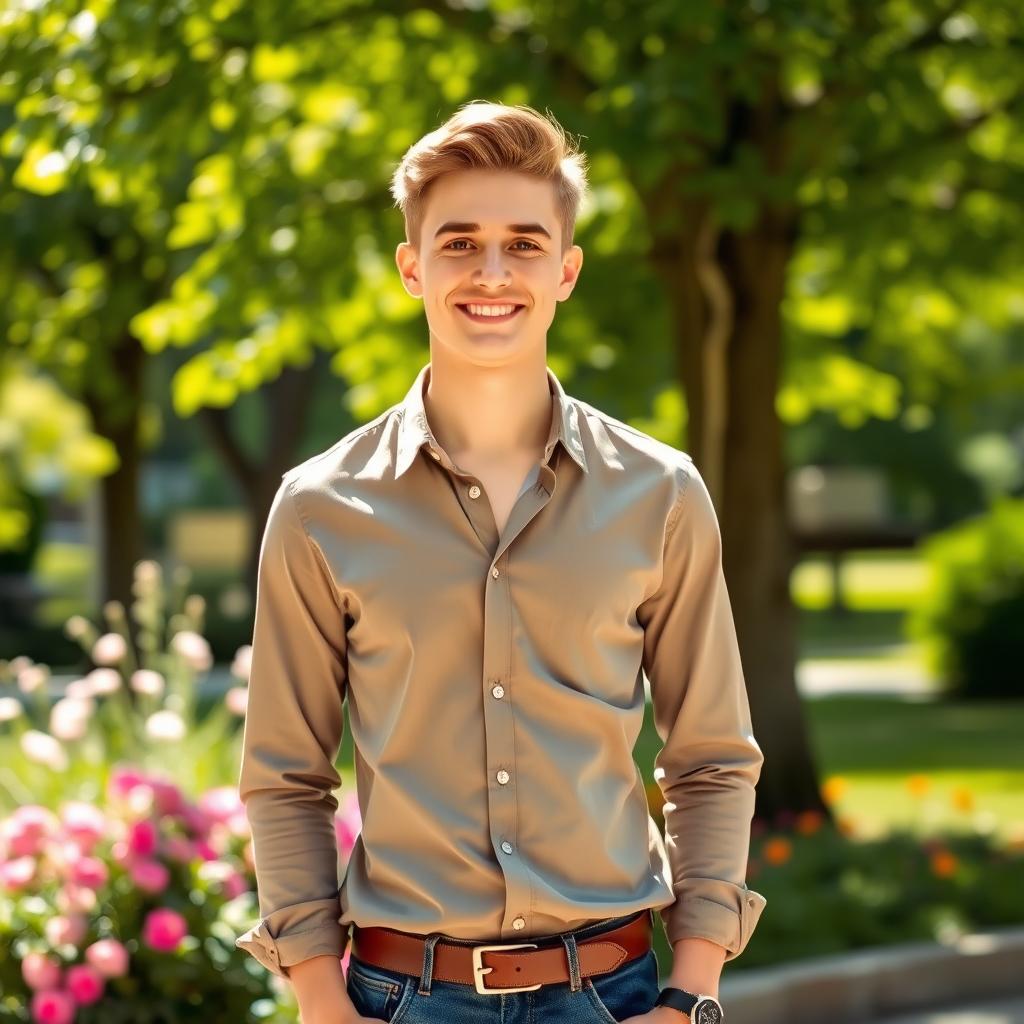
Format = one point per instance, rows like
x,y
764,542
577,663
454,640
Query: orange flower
x,y
962,799
777,850
808,822
918,785
833,789
943,863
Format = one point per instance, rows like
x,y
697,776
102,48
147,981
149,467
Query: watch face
x,y
707,1011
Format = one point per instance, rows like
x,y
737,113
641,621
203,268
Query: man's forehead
x,y
513,203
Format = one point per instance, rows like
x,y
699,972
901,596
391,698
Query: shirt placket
x,y
504,784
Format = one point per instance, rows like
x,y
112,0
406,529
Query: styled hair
x,y
493,136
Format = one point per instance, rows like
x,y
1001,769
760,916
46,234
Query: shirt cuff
x,y
295,933
710,908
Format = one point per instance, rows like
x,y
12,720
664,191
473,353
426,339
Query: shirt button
x,y
503,776
507,847
494,572
498,691
519,924
474,491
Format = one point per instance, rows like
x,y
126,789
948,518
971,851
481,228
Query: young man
x,y
486,570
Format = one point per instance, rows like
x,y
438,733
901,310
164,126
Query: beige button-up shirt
x,y
495,688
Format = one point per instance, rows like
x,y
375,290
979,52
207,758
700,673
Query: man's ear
x,y
572,264
408,261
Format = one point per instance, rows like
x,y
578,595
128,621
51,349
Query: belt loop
x,y
427,974
572,954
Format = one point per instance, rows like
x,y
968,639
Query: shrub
x,y
970,620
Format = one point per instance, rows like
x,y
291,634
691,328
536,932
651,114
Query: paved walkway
x,y
1000,1011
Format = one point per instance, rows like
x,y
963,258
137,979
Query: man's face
x,y
491,238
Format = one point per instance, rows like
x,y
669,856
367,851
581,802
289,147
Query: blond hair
x,y
493,136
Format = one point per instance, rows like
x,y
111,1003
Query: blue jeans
x,y
626,991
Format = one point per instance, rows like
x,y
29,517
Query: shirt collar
x,y
414,431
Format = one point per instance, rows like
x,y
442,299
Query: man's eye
x,y
521,241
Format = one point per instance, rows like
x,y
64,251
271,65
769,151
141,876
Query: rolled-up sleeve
x,y
709,762
292,734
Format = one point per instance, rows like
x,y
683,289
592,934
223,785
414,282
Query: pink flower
x,y
53,1007
163,929
220,803
150,875
234,885
179,848
241,666
142,837
167,796
195,820
205,851
123,780
17,874
85,984
40,971
69,717
347,823
66,928
84,823
236,700
90,872
109,957
193,649
31,677
224,876
26,830
73,898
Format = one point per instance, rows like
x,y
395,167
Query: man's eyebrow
x,y
468,228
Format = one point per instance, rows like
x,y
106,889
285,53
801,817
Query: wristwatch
x,y
699,1009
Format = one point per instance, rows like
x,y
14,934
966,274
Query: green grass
x,y
874,744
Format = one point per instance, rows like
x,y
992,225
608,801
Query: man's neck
x,y
491,413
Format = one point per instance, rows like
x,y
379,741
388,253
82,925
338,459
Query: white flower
x,y
165,726
42,748
109,649
193,649
241,667
32,677
237,699
147,573
69,717
10,708
104,680
77,627
148,682
79,688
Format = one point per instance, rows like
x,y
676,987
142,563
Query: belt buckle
x,y
479,970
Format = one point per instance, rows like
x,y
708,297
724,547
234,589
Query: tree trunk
x,y
725,291
115,415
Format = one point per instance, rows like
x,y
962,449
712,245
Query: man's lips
x,y
483,319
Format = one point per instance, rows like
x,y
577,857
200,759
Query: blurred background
x,y
804,267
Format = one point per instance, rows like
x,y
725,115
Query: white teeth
x,y
490,310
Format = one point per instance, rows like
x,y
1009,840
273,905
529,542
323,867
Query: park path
x,y
1000,1011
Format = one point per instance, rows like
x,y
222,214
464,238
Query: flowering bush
x,y
127,910
121,897
831,889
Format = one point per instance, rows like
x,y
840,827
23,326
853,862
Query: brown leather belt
x,y
526,969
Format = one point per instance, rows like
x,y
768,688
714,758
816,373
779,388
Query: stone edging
x,y
868,984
